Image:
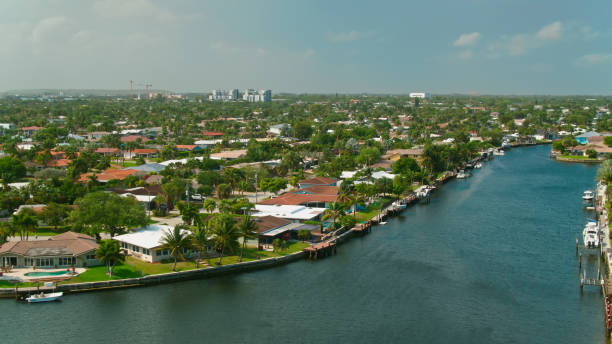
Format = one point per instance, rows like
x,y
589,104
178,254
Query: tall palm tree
x,y
200,241
25,221
226,233
349,200
247,228
177,240
335,210
109,253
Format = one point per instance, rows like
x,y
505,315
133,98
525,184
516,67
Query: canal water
x,y
490,260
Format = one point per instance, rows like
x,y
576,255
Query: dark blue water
x,y
490,260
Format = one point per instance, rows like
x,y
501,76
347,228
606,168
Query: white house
x,y
146,244
289,212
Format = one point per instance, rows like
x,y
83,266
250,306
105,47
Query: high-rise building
x,y
251,95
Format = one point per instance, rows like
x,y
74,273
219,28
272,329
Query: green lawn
x,y
251,254
576,157
98,273
5,284
133,267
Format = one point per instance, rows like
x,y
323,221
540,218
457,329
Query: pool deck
x,y
21,273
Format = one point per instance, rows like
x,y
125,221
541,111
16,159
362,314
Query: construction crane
x,y
147,88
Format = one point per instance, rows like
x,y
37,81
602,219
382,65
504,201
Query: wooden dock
x,y
321,250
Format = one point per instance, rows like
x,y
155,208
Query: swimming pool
x,y
45,273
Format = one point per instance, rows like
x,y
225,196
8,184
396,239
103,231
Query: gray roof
x,y
588,134
152,167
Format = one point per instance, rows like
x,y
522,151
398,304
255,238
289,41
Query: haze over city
x,y
487,47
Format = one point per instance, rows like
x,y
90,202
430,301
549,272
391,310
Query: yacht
x,y
424,191
478,165
498,152
399,205
505,145
588,195
462,174
590,235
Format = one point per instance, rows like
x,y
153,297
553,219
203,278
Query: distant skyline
x,y
478,46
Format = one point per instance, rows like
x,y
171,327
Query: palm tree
x,y
335,210
176,240
199,239
25,221
349,200
247,228
226,233
210,205
109,253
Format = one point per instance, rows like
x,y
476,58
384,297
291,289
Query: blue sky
x,y
487,47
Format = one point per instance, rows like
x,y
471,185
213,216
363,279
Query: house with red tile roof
x,y
108,151
316,196
109,174
212,134
63,250
304,183
29,131
133,138
59,163
187,148
145,152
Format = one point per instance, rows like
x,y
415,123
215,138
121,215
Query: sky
x,y
314,46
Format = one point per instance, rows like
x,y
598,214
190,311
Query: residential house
x,y
295,213
187,148
112,152
271,227
60,251
212,134
583,139
229,155
30,131
317,181
146,244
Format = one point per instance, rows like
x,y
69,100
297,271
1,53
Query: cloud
x,y
342,37
46,27
131,9
467,39
550,32
593,59
521,44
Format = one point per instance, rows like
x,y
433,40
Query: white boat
x,y
478,165
590,235
498,152
505,145
588,195
44,297
399,205
462,174
424,191
382,223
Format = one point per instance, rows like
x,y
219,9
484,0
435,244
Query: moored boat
x,y
590,234
588,195
44,297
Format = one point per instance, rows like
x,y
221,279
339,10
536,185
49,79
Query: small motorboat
x,y
505,145
44,297
478,165
399,205
588,195
498,152
462,174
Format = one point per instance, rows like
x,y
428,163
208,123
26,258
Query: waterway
x,y
490,260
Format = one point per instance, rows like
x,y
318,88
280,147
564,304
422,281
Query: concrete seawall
x,y
164,278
